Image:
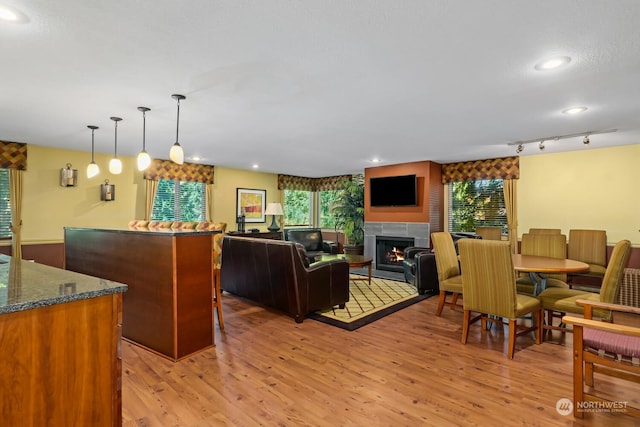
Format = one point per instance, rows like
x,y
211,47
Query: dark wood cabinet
x,y
274,235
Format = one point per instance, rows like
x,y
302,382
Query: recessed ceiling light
x,y
196,158
375,160
255,166
552,63
12,15
574,110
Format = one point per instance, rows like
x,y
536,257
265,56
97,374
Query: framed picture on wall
x,y
251,203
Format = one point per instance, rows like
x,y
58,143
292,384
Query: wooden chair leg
x,y
538,315
465,325
512,338
441,300
578,379
217,298
454,300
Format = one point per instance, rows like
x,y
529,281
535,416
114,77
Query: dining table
x,y
539,266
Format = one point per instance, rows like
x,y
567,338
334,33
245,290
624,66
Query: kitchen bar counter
x,y
60,341
168,307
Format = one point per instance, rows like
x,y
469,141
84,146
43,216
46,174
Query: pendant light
x,y
176,154
115,165
92,169
143,158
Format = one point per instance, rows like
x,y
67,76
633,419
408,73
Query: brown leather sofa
x,y
275,273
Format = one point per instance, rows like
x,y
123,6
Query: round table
x,y
354,261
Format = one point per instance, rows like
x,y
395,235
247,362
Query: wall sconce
x,y
107,191
68,176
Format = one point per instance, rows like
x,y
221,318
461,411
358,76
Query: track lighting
x,y
177,154
143,157
92,169
540,141
115,165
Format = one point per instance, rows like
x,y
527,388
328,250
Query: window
x,y
179,201
327,198
5,204
477,203
297,208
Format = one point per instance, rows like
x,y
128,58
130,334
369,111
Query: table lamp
x,y
274,209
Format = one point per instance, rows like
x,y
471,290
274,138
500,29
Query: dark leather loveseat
x,y
311,239
420,265
274,273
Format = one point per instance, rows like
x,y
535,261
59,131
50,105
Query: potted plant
x,y
348,212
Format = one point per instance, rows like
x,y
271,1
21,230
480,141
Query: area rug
x,y
369,303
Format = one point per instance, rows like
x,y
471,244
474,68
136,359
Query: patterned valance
x,y
504,168
13,155
166,169
290,182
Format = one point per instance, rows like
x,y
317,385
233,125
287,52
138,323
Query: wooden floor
x,y
407,369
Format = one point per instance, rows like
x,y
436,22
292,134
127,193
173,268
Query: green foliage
x,y
188,206
477,203
297,206
348,210
327,200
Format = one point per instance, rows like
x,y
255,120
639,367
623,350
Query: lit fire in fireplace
x,y
395,255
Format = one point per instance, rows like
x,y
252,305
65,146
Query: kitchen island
x,y
168,307
60,341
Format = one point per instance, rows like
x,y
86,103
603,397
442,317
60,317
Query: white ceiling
x,y
319,88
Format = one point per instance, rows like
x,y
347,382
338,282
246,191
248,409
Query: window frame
x,y
178,196
497,218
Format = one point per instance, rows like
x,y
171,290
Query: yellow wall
x,y
591,188
48,207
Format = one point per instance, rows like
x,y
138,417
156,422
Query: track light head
x,y
520,148
541,146
585,140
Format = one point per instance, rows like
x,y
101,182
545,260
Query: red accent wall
x,y
430,195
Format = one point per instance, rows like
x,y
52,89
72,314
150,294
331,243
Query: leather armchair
x,y
420,269
311,239
420,265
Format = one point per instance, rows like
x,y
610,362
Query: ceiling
x,y
319,88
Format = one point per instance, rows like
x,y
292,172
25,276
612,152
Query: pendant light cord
x,y
115,147
178,120
92,145
144,129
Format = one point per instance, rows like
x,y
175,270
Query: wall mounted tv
x,y
398,190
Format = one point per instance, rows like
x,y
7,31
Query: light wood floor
x,y
408,369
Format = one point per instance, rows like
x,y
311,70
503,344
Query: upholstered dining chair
x,y
558,301
608,348
547,245
489,288
589,246
489,233
545,231
449,278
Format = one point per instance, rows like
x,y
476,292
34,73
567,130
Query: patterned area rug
x,y
369,303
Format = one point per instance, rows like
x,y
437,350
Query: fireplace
x,y
390,252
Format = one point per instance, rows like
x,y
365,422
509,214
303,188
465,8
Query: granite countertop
x,y
25,285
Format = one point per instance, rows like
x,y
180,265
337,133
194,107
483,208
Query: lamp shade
x,y
274,209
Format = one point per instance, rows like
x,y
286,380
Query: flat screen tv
x,y
393,191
